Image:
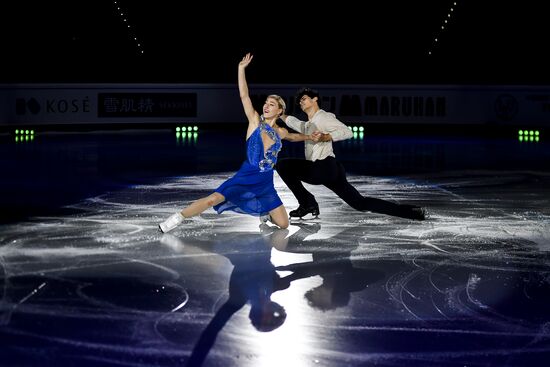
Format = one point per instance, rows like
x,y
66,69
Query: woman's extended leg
x,y
202,204
195,208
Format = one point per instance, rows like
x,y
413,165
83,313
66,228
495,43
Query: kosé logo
x,y
22,106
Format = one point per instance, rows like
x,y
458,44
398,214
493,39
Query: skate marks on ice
x,y
103,285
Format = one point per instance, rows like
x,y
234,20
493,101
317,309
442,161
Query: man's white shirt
x,y
326,123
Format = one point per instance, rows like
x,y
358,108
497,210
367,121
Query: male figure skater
x,y
320,166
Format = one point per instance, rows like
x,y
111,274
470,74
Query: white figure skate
x,y
265,218
171,223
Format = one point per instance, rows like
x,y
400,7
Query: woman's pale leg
x,y
279,217
195,208
202,204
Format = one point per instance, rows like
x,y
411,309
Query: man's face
x,y
305,102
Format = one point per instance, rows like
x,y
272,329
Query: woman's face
x,y
271,108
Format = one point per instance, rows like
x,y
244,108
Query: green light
x,y
26,138
183,128
355,135
531,133
536,138
16,131
178,134
195,128
32,132
531,138
361,128
195,135
354,128
26,132
17,139
520,138
361,135
520,132
349,127
32,137
177,129
536,133
525,132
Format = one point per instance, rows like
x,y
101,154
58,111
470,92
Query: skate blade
x,y
305,219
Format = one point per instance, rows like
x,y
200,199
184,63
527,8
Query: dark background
x,y
485,42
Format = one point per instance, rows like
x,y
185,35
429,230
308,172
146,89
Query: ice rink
x,y
87,280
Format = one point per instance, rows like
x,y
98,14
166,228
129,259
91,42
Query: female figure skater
x,y
251,189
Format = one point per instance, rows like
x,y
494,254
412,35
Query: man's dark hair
x,y
311,93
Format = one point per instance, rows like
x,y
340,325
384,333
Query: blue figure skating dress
x,y
251,189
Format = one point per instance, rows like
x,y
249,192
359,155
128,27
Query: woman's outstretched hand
x,y
246,60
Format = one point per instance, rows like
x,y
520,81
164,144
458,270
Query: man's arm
x,y
329,125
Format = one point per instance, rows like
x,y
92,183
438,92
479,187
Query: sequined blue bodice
x,y
264,160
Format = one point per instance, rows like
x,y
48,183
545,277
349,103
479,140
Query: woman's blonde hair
x,y
280,102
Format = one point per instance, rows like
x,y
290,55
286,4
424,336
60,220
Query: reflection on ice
x,y
468,286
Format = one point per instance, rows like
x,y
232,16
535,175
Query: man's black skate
x,y
412,212
305,212
419,213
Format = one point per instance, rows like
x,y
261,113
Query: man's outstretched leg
x,y
353,198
